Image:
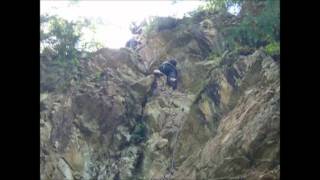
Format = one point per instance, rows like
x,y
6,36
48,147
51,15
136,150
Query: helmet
x,y
157,71
173,62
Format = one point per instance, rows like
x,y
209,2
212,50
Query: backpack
x,y
168,69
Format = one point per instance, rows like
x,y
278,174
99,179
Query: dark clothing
x,y
168,69
132,43
171,72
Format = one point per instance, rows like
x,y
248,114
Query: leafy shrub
x,y
257,27
139,133
272,49
59,35
59,53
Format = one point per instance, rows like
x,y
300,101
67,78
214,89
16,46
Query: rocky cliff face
x,y
221,123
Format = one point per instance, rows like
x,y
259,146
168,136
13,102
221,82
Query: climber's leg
x,y
172,82
154,86
175,84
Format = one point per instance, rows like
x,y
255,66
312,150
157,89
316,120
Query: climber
x,y
135,29
133,43
154,86
168,68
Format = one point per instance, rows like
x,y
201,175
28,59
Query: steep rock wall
x,y
221,123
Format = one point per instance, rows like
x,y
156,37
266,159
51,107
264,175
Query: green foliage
x,y
62,47
139,133
257,30
253,30
221,5
59,53
98,75
272,49
66,37
213,56
59,35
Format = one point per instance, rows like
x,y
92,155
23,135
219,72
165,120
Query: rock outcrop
x,y
221,123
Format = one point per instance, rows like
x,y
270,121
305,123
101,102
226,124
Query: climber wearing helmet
x,y
169,69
